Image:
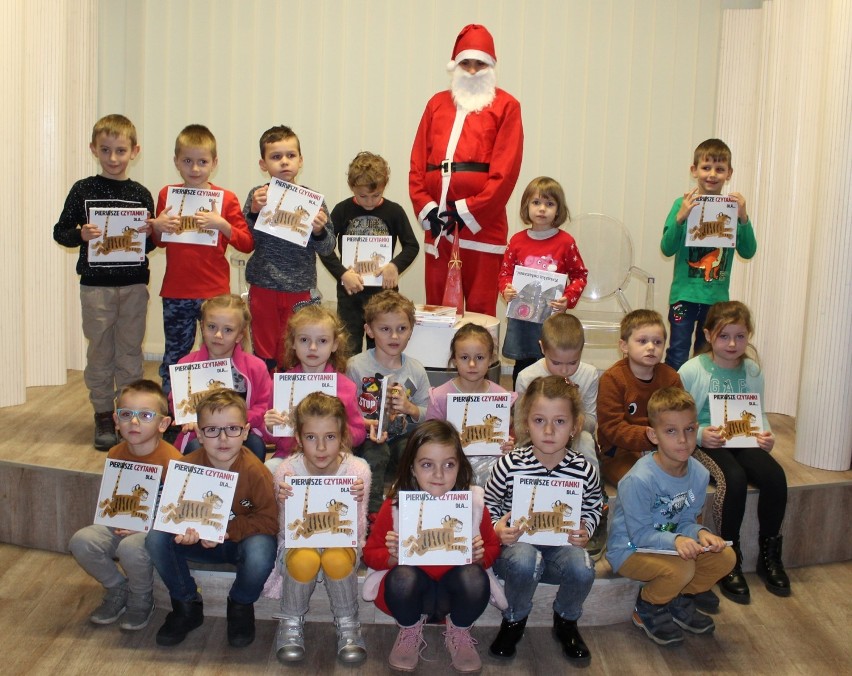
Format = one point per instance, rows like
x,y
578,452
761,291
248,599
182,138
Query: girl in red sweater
x,y
433,461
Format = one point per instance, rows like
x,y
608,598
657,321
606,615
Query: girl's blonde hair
x,y
724,314
230,301
310,315
549,188
549,387
321,405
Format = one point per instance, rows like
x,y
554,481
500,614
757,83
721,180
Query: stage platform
x,y
50,474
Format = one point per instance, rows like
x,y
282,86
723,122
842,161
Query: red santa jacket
x,y
493,135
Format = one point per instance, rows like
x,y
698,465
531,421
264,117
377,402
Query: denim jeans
x,y
522,566
253,556
685,319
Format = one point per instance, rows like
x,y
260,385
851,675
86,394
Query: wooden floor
x,y
45,599
54,429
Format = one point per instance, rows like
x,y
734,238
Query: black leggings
x,y
461,593
731,470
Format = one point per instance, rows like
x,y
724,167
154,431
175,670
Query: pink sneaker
x,y
409,644
462,648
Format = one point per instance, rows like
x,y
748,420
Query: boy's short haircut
x,y
388,301
114,125
368,170
713,149
548,188
562,331
279,132
196,136
669,399
145,386
222,399
639,318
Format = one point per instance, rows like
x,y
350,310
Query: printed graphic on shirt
x,y
669,508
711,264
366,225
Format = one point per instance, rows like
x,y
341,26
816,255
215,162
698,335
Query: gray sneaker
x,y
656,621
686,616
140,608
112,607
105,436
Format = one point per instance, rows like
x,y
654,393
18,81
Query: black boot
x,y
240,623
573,645
734,585
769,566
507,638
185,616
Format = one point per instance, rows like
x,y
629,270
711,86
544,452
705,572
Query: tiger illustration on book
x,y
329,521
482,433
436,539
738,428
189,405
123,242
553,521
190,223
287,219
123,504
198,511
715,228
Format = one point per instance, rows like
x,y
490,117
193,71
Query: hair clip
x,y
570,383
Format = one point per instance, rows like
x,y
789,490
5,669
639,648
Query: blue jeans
x,y
180,316
522,566
253,556
685,319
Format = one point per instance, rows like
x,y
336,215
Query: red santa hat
x,y
473,42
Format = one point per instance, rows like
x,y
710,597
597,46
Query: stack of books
x,y
435,315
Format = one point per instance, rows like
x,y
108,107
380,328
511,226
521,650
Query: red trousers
x,y
479,272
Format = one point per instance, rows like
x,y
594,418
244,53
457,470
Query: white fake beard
x,y
474,92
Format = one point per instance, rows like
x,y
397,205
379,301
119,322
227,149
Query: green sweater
x,y
702,274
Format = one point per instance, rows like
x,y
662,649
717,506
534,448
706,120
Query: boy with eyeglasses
x,y
250,541
142,417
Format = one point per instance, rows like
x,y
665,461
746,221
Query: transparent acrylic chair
x,y
607,251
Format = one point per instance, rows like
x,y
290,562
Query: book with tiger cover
x,y
712,222
546,508
128,495
186,203
120,242
739,418
196,496
192,381
288,389
367,255
436,531
482,421
289,212
321,512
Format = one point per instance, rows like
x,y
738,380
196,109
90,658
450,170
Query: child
x,y
659,503
702,275
471,351
724,367
195,272
389,319
562,340
113,298
250,539
367,212
551,415
625,389
542,246
282,274
433,461
316,343
142,417
325,450
225,322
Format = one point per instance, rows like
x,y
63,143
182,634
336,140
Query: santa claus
x,y
464,164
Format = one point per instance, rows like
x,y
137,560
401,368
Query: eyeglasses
x,y
128,414
212,432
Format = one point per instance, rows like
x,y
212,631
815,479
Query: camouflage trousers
x,y
180,317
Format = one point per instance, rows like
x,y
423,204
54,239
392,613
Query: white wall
x,y
615,95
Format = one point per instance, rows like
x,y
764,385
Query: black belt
x,y
458,166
